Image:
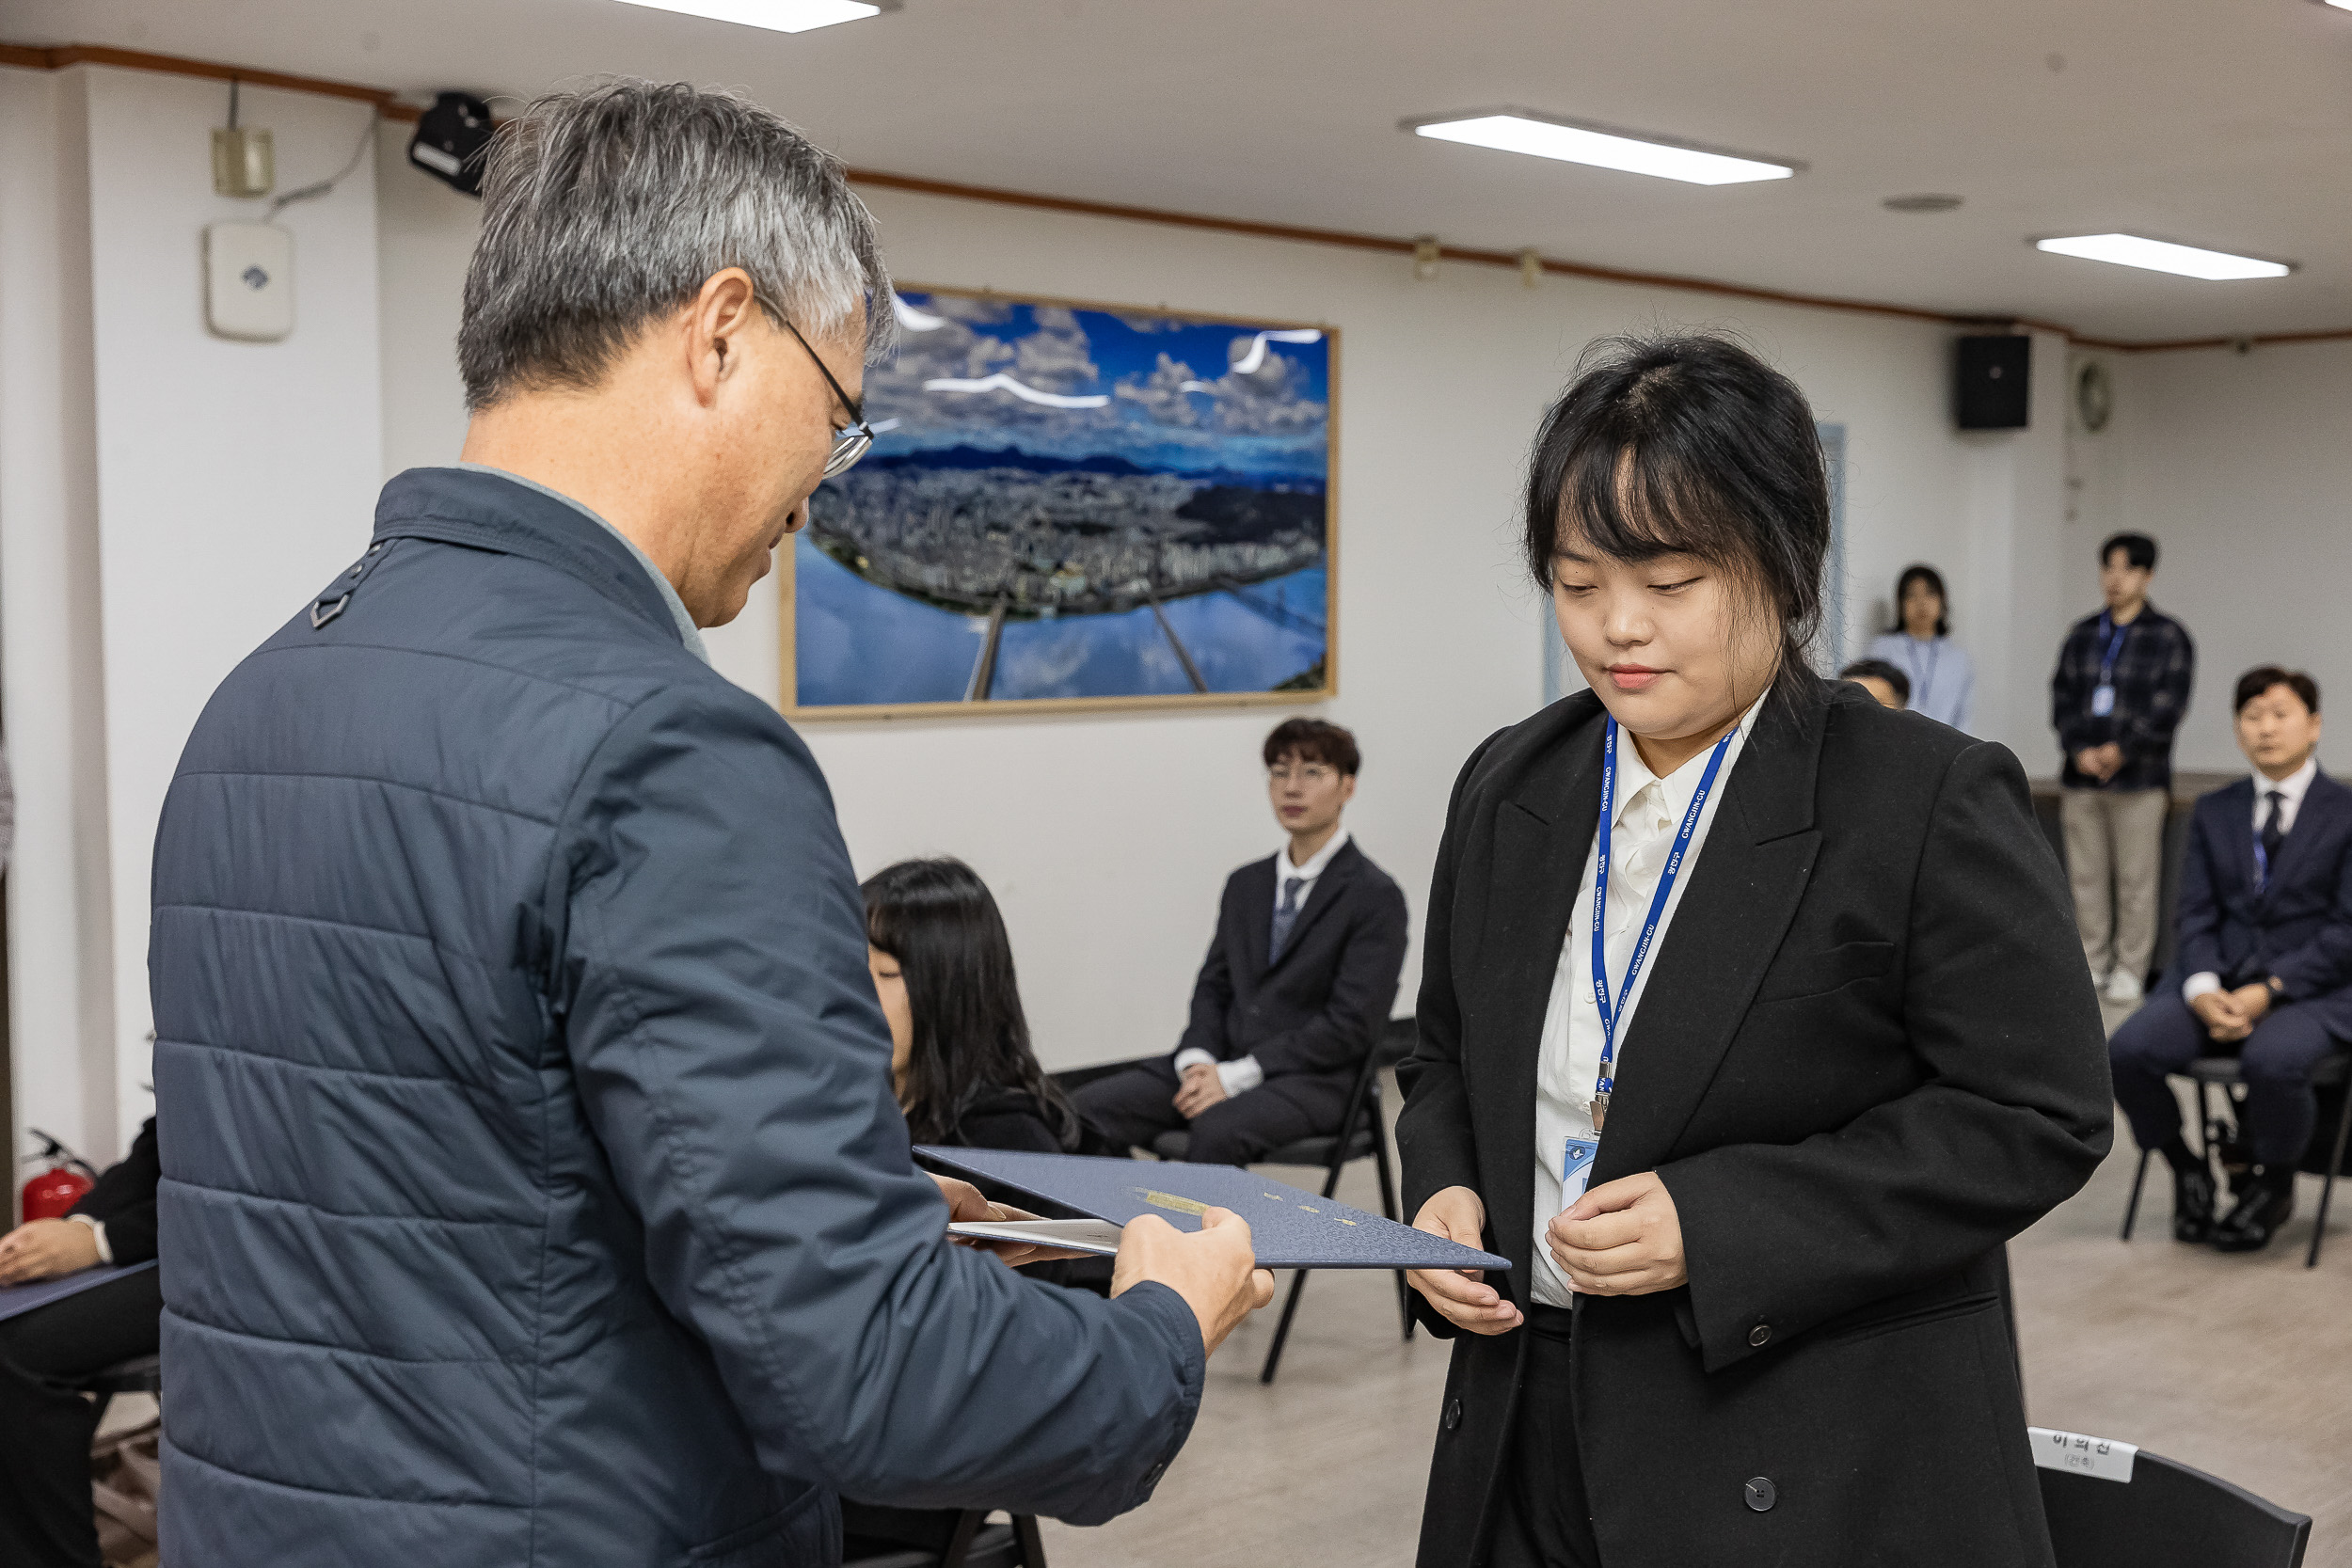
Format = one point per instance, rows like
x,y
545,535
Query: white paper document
x,y
1095,1236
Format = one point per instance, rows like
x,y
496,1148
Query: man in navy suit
x,y
2265,940
1297,987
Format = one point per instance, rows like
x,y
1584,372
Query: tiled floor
x,y
2239,1366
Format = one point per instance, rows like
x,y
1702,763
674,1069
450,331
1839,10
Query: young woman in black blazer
x,y
1864,1054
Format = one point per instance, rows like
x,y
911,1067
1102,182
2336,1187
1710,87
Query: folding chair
x,y
1363,1134
141,1374
2165,1515
2332,1078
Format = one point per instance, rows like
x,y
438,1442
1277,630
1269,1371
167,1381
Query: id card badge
x,y
1576,1169
2102,701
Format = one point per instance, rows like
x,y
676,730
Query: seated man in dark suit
x,y
2266,941
45,1424
1297,984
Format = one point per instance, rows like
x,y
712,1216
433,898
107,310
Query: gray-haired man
x,y
533,1193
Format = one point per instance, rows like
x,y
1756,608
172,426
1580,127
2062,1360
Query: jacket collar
x,y
1744,891
487,512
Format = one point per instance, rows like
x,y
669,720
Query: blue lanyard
x,y
2114,646
1911,656
1609,1015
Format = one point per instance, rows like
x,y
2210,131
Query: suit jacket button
x,y
1759,1337
1452,1413
1759,1493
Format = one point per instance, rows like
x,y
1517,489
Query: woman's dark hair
x,y
937,918
1686,443
1878,668
2262,677
1934,579
1315,741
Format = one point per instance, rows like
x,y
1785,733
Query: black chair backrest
x,y
2168,1516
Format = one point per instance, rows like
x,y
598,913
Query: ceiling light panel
x,y
782,16
1542,137
2186,261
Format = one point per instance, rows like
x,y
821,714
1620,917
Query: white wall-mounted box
x,y
248,281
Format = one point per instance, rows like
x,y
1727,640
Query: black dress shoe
x,y
2192,1204
2259,1215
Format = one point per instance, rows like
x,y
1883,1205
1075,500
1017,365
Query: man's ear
x,y
722,309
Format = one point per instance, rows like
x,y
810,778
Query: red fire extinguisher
x,y
53,1192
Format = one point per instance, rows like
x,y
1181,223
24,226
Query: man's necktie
x,y
2272,834
1285,915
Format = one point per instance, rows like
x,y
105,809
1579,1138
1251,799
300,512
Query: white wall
x,y
1106,838
2239,467
202,488
60,930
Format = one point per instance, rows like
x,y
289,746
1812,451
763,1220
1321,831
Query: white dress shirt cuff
x,y
2204,983
1192,1056
97,1234
1240,1077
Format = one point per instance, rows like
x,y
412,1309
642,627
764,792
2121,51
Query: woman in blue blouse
x,y
1942,682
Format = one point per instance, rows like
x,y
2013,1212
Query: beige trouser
x,y
2115,858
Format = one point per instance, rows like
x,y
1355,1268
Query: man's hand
x,y
2217,1010
2101,762
1461,1296
2254,1002
1213,1269
45,1249
1621,1239
1200,1090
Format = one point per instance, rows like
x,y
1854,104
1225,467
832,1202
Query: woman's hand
x,y
45,1249
1621,1239
966,1205
1460,1295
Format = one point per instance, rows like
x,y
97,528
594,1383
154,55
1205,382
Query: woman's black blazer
x,y
1868,1054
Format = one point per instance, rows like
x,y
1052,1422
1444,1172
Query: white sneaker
x,y
2123,985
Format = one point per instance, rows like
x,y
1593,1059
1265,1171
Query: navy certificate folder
x,y
1290,1228
16,1300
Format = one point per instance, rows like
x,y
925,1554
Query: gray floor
x,y
2239,1366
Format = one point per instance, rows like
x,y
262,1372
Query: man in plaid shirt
x,y
2119,692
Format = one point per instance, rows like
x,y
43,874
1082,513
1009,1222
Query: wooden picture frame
x,y
893,399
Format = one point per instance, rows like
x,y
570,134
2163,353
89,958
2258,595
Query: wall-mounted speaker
x,y
1992,384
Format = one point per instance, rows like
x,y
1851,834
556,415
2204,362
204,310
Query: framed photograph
x,y
1072,506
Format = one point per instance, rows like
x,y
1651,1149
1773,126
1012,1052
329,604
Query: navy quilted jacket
x,y
532,1191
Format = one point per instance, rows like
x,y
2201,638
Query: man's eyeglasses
x,y
1311,774
851,442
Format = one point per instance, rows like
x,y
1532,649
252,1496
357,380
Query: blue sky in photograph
x,y
1160,391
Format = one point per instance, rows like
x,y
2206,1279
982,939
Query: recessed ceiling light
x,y
783,16
2188,260
1573,142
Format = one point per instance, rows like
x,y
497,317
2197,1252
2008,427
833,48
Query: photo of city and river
x,y
1070,502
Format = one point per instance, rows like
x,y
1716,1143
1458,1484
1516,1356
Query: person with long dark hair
x,y
1919,643
1749,1032
958,1042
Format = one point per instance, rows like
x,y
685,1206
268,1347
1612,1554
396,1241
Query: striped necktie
x,y
1285,915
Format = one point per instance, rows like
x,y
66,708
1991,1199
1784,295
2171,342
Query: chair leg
x,y
2131,1209
960,1543
1282,1329
1032,1540
2327,1182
